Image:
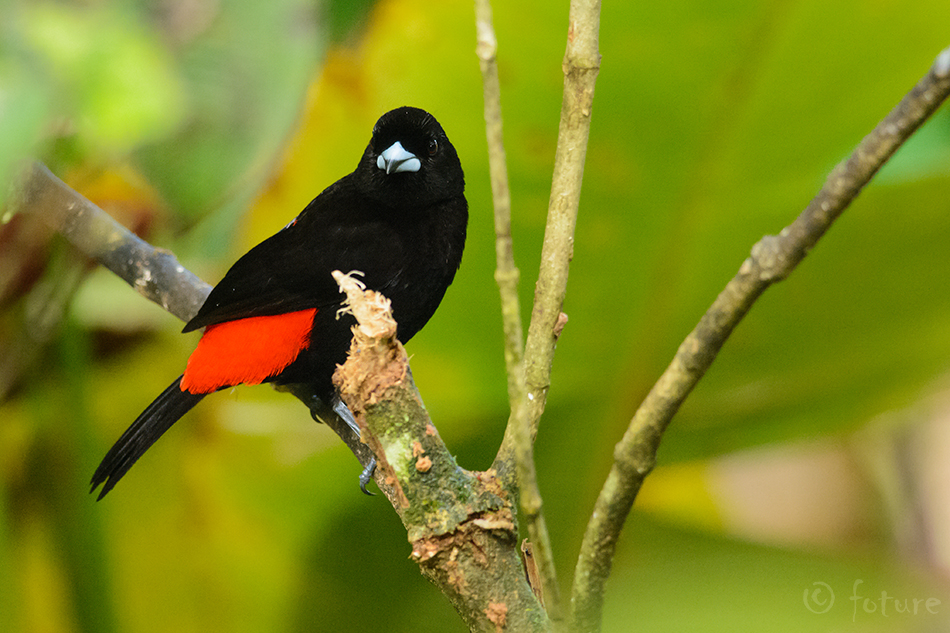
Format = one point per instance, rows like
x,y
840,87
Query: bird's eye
x,y
433,147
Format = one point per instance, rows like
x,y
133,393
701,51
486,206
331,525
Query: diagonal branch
x,y
460,524
154,272
772,259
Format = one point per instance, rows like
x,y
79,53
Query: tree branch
x,y
581,65
506,273
460,524
506,276
153,272
772,259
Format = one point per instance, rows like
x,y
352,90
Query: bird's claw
x,y
347,416
366,476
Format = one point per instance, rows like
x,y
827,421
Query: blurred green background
x,y
811,462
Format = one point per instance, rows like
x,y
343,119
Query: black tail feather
x,y
157,418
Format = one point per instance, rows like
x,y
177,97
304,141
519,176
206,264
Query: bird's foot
x,y
366,476
347,416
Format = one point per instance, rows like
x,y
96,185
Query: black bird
x,y
400,218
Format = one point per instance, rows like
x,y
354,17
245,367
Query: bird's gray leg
x,y
340,408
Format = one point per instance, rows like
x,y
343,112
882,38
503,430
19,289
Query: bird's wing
x,y
291,270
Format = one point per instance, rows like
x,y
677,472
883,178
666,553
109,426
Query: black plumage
x,y
399,218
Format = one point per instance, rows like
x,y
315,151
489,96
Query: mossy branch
x,y
460,524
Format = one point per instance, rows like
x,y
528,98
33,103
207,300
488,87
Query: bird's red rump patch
x,y
247,351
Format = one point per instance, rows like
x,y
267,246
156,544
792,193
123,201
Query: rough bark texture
x,y
460,523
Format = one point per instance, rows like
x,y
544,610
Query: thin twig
x,y
772,259
506,275
581,65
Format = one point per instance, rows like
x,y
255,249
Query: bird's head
x,y
410,161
